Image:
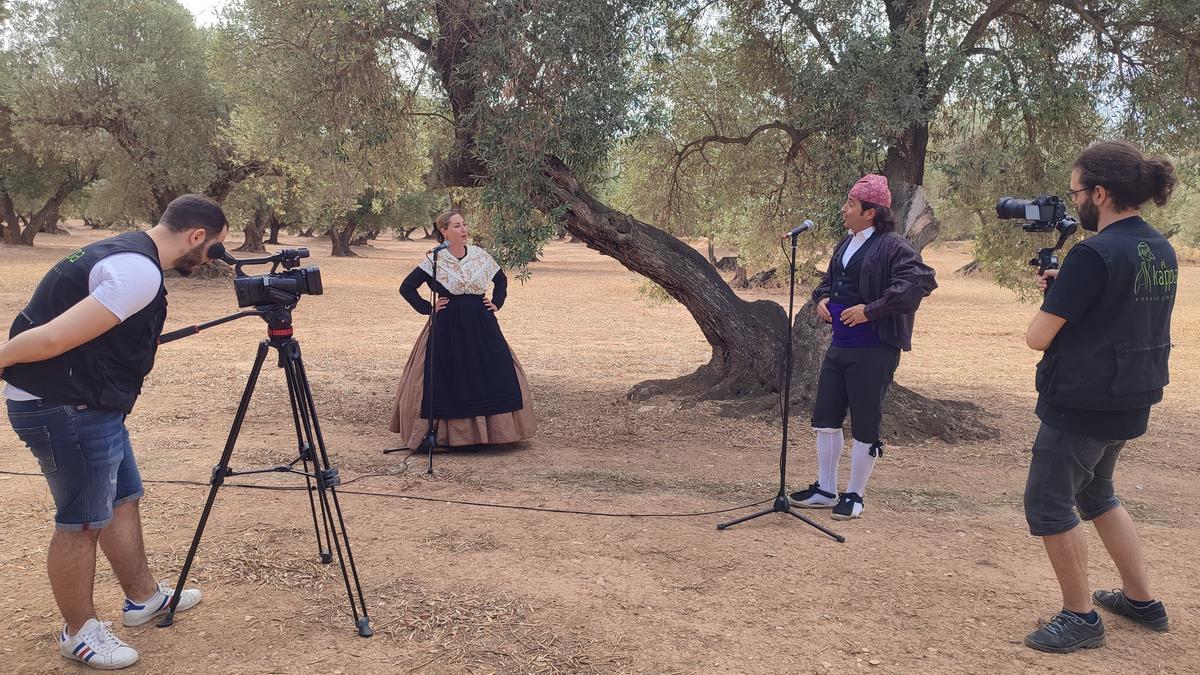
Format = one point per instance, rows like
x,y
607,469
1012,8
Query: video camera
x,y
1044,213
275,287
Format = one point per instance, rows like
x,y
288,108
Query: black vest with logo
x,y
844,282
1115,358
107,372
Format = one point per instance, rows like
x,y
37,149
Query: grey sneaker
x,y
1066,633
1154,616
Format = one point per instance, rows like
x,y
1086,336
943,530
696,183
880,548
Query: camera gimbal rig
x,y
1044,213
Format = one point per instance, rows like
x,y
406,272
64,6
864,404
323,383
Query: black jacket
x,y
892,280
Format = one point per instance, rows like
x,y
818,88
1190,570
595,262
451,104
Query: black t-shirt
x,y
1080,283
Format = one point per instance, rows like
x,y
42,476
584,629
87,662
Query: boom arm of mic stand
x,y
192,330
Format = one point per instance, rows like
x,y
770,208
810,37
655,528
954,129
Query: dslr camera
x,y
1044,213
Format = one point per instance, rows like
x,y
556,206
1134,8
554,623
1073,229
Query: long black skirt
x,y
471,373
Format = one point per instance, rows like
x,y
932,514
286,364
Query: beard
x,y
189,261
1089,215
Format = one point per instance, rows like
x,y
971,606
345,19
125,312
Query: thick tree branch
x,y
954,65
805,17
1192,39
798,136
230,173
424,45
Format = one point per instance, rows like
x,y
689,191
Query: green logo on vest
x,y
75,256
1154,278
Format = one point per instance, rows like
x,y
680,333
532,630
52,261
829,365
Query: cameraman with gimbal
x,y
1105,329
75,362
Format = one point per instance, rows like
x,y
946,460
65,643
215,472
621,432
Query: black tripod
x,y
308,435
781,504
429,441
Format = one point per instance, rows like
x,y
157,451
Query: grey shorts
x,y
1069,470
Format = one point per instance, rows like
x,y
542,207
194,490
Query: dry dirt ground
x,y
940,575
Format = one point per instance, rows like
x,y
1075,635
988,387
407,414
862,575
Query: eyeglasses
x,y
1071,193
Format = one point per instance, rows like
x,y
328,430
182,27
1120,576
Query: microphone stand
x,y
429,441
781,503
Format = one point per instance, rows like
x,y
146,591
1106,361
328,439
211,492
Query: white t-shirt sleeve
x,y
125,283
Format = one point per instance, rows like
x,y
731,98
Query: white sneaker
x,y
138,613
95,645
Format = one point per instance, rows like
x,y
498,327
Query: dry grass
x,y
453,540
917,499
258,555
477,631
640,483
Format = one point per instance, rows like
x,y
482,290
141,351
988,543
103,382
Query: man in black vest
x,y
74,363
1105,328
876,281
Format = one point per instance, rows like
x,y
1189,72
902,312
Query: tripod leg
x,y
427,381
220,471
743,519
309,414
304,445
834,535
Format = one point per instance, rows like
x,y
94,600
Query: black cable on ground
x,y
459,502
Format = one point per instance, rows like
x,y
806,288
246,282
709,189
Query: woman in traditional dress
x,y
478,392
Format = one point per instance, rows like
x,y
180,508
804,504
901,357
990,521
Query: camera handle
x,y
192,330
1046,258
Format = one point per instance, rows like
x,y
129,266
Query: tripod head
x,y
279,321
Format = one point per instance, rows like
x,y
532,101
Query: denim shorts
x,y
85,456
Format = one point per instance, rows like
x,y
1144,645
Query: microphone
x,y
441,247
802,227
217,252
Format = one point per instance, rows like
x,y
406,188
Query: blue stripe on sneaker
x,y
89,657
79,646
166,601
132,606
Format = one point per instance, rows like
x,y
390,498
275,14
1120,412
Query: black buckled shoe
x,y
849,506
813,497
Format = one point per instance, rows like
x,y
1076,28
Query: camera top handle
x,y
287,258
